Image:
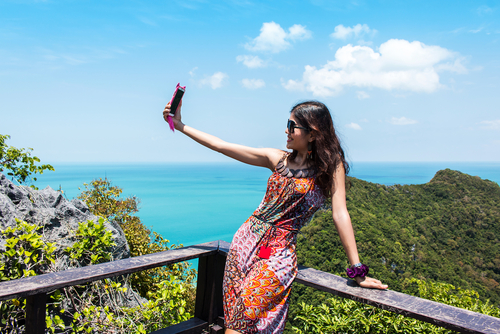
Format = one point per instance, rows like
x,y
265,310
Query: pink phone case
x,y
173,96
169,117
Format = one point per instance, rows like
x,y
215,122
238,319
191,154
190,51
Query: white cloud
x,y
293,85
342,32
494,125
191,73
215,81
484,10
253,83
475,31
299,33
250,61
353,126
402,121
362,95
399,65
275,39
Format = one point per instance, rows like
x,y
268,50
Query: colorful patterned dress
x,y
256,288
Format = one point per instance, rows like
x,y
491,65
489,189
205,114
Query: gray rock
x,y
59,220
57,216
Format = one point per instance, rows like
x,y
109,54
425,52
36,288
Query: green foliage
x,y
169,289
450,295
94,307
19,163
93,243
26,254
103,200
445,231
97,306
166,307
340,315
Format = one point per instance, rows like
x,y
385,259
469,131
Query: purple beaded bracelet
x,y
358,269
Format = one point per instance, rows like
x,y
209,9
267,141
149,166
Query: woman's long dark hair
x,y
327,153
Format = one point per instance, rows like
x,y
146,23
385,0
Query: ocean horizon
x,y
192,203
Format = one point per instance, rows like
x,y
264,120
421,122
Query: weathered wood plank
x,y
191,326
48,282
441,315
223,247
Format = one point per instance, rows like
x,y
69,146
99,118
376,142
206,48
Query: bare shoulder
x,y
275,155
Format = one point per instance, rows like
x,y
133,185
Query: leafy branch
x,y
19,163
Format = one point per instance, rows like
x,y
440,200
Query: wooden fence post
x,y
35,313
208,305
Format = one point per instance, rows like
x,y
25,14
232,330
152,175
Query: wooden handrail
x,y
208,308
438,314
34,285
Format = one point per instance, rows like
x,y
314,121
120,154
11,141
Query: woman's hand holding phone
x,y
167,112
172,111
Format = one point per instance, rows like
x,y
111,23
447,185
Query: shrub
x,y
92,308
341,315
26,254
103,199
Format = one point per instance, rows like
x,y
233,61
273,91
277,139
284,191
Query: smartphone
x,y
176,99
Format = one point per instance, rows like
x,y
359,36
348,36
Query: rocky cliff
x,y
59,220
57,216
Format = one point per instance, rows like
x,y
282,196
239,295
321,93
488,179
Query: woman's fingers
x,y
166,111
372,283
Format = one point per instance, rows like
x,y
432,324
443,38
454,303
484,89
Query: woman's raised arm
x,y
263,157
344,227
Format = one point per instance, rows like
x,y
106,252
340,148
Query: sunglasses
x,y
291,125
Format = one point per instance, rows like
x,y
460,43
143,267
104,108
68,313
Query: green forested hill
x,y
447,230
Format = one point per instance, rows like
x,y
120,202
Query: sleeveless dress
x,y
257,285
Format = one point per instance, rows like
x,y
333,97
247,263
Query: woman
x,y
262,264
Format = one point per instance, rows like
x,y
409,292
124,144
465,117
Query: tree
x,y
103,199
19,163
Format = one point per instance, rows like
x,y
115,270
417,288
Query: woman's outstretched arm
x,y
263,157
344,227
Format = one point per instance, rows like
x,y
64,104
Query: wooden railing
x,y
208,308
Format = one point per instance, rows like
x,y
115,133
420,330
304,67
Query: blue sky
x,y
86,81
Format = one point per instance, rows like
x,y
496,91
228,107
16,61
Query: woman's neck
x,y
299,162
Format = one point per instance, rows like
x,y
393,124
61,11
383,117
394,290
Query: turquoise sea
x,y
195,203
